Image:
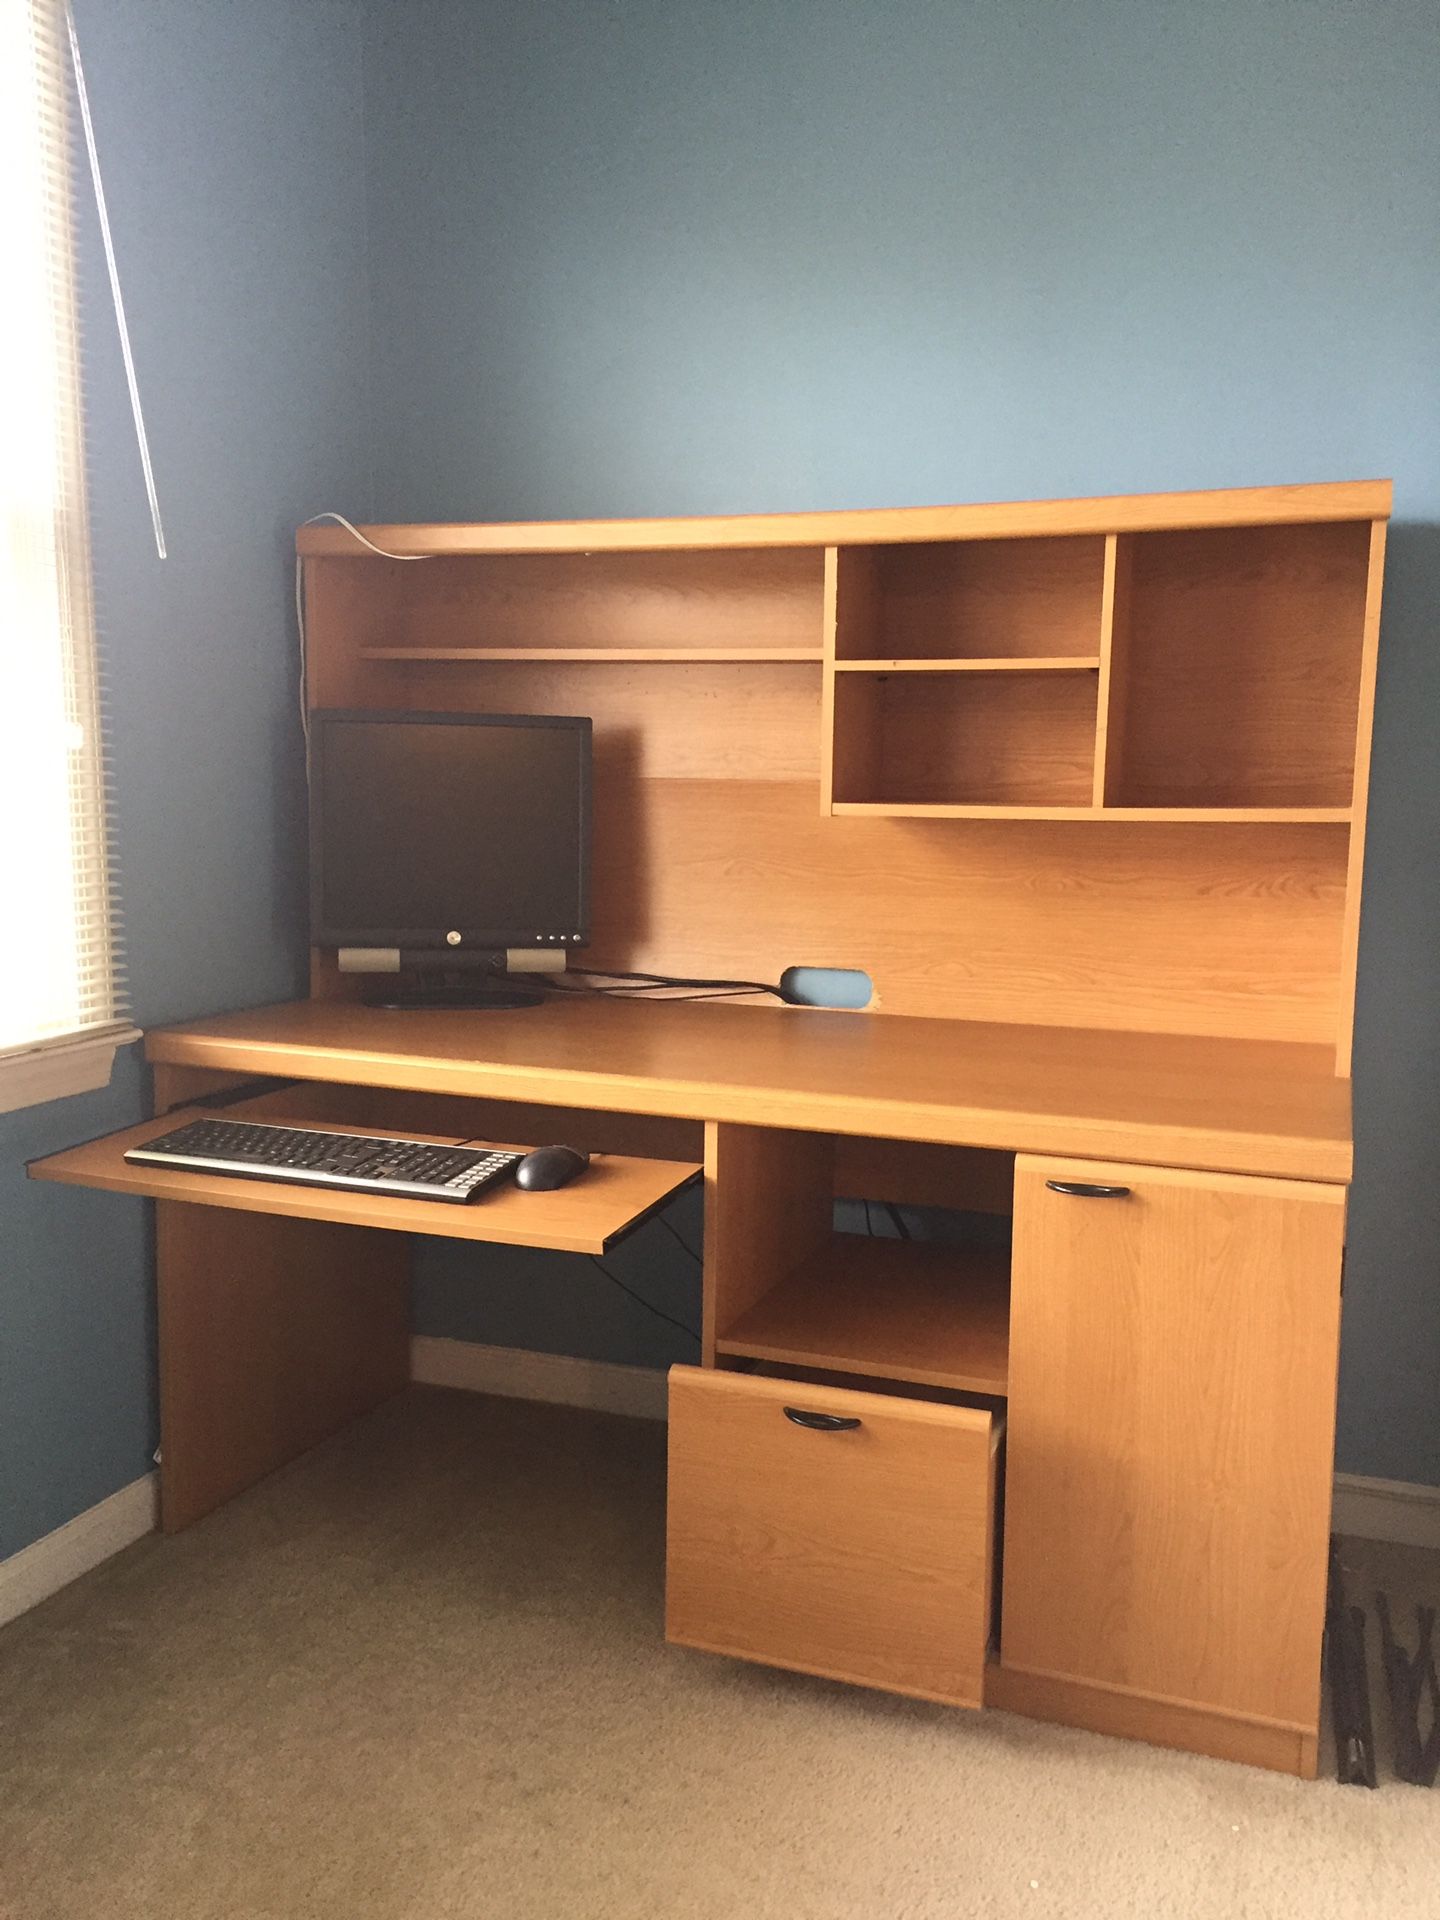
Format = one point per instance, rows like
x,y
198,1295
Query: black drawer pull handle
x,y
822,1422
1086,1190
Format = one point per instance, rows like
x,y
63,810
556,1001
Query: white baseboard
x,y
41,1569
1397,1510
517,1374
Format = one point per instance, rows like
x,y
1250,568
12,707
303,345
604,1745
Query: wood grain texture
x,y
768,1209
1257,617
917,1174
584,1217
1172,1392
1115,513
1360,799
1148,926
958,599
1114,670
725,721
1168,1099
862,1555
610,600
596,656
349,604
1093,815
1163,1723
178,1086
1244,668
937,1316
1022,663
274,1333
847,726
1004,740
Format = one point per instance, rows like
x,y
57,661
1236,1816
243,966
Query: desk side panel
x,y
274,1334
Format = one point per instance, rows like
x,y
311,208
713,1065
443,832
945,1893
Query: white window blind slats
x,y
61,978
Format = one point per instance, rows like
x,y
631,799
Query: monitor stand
x,y
494,994
467,998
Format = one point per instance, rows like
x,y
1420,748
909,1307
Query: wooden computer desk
x,y
1082,786
1169,1413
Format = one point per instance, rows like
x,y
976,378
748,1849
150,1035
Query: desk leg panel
x,y
274,1333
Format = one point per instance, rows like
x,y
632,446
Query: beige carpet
x,y
420,1674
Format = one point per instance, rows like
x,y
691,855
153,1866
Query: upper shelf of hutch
x,y
1010,519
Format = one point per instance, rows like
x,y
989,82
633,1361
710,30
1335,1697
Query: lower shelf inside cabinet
x,y
938,1316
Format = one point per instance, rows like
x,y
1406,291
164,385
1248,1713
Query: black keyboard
x,y
359,1162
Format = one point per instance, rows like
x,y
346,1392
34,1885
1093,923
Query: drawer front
x,y
861,1552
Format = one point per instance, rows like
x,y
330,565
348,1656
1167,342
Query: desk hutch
x,y
1081,787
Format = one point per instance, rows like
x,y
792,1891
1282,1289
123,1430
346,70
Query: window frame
x,y
53,1065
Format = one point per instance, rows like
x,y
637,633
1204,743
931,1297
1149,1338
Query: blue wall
x,y
232,143
655,256
661,256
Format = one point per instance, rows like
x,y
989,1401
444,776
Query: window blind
x,y
60,975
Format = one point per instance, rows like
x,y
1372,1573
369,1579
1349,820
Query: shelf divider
x,y
1114,667
1051,663
1171,816
601,656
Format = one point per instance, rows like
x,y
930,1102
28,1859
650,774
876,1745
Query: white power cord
x,y
384,554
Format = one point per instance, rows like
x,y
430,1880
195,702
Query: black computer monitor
x,y
448,838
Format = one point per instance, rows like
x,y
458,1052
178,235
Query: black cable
x,y
869,1223
620,992
640,1300
651,980
679,1237
626,989
634,993
898,1218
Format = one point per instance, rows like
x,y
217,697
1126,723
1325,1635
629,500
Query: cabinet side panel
x,y
1360,802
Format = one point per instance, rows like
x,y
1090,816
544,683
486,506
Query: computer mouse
x,y
550,1167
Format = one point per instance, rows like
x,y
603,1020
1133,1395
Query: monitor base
x,y
477,998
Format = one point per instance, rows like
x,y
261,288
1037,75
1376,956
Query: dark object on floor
x,y
1349,1685
1409,1680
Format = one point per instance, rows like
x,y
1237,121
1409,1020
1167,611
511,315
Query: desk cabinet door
x,y
854,1541
1173,1350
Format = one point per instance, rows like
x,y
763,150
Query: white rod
x,y
130,380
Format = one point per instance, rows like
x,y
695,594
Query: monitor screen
x,y
425,825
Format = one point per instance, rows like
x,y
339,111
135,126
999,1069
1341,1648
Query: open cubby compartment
x,y
1003,740
782,1285
1237,666
740,603
1022,599
892,1309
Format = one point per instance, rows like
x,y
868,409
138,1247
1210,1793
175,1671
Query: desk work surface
x,y
1230,1105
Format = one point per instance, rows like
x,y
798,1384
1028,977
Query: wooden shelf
x,y
613,1193
1176,816
601,656
1049,663
1011,519
937,1316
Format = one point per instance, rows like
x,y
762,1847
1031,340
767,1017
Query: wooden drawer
x,y
863,1553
